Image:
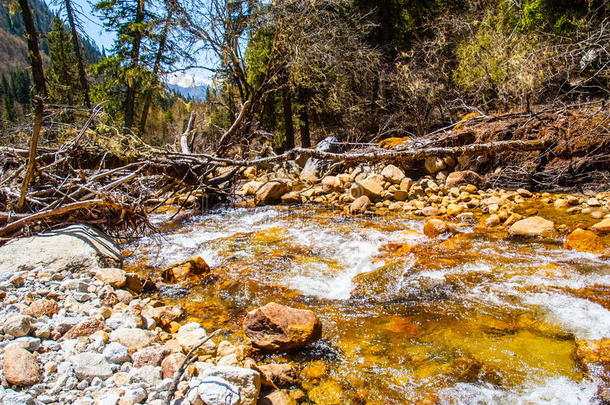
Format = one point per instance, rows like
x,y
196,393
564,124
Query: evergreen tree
x,y
132,23
21,87
62,74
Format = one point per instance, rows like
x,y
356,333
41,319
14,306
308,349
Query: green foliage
x,y
559,16
62,74
499,62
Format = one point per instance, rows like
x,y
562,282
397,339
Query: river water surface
x,y
470,319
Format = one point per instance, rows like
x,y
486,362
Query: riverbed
x,y
471,318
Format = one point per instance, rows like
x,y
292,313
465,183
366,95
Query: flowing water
x,y
469,319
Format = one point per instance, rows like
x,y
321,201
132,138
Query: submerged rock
x,y
277,327
584,241
434,227
532,227
181,271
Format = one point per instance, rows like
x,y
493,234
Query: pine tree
x,y
131,21
62,74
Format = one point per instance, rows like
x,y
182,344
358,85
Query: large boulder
x,y
192,334
313,166
133,338
463,178
532,227
20,367
75,246
330,184
277,327
272,192
434,165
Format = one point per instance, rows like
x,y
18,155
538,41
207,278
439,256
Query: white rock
x,y
191,334
247,381
218,391
89,365
133,396
150,375
116,353
76,245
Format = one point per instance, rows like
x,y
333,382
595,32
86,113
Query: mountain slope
x,y
13,48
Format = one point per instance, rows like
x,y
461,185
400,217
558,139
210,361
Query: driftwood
x,y
29,174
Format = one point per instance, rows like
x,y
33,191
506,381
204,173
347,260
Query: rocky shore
x,y
76,329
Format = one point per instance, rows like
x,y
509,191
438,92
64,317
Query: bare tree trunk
x,y
41,90
132,88
29,174
288,123
33,48
156,68
82,75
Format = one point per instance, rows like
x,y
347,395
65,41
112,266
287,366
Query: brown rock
x,y
584,241
167,314
430,211
392,174
42,307
372,187
84,328
463,178
280,328
183,270
603,226
330,184
115,277
277,398
171,364
359,205
531,227
133,282
150,356
492,220
279,374
434,227
20,367
272,192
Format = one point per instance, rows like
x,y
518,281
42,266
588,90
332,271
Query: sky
x,y
104,39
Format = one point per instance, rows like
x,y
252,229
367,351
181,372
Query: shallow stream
x,y
469,319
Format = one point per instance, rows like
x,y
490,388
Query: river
x,y
474,318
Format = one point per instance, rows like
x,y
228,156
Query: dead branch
x,y
29,174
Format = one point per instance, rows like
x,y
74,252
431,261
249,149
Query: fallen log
x,y
55,212
381,155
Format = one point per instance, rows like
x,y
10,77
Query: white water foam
x,y
583,318
554,391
